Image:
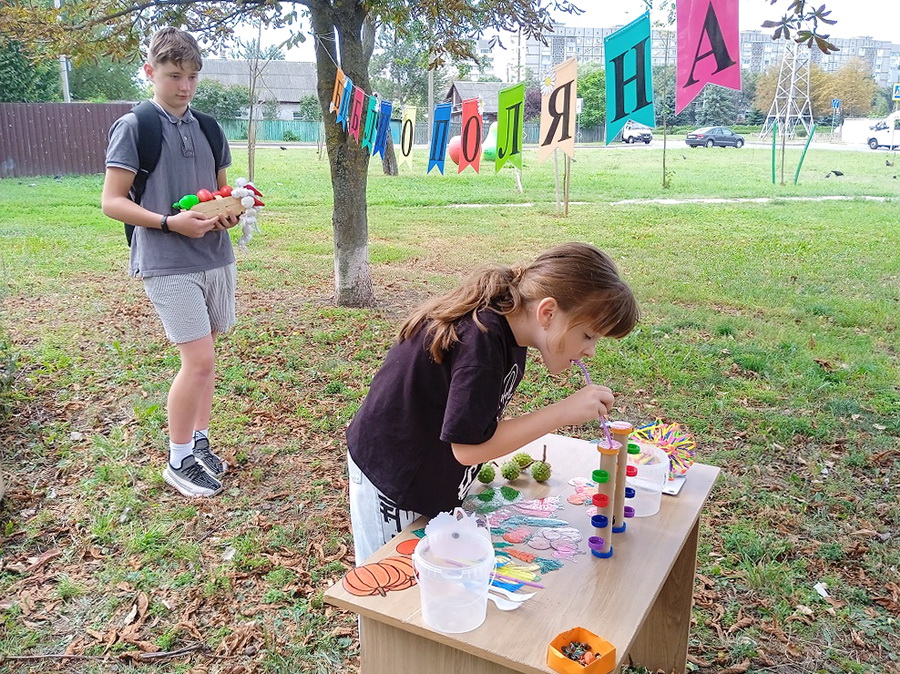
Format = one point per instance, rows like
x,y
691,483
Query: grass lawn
x,y
769,330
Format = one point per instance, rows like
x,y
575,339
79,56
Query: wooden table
x,y
639,599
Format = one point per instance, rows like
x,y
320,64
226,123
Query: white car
x,y
885,133
633,132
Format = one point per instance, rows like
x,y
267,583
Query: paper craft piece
x,y
440,135
491,499
356,112
393,573
472,131
708,47
558,107
629,88
407,131
511,106
384,128
406,547
339,83
368,141
344,109
677,443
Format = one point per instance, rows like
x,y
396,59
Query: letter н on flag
x,y
629,88
558,109
709,48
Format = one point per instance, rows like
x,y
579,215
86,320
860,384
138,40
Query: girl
x,y
433,412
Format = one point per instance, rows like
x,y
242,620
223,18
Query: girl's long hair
x,y
583,280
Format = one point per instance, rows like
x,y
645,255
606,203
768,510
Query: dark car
x,y
709,136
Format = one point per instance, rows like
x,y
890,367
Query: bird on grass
x,y
888,163
282,147
835,173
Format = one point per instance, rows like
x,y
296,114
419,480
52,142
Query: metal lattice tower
x,y
792,105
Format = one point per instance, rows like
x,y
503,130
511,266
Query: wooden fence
x,y
46,139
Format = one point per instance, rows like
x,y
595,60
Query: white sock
x,y
201,434
179,452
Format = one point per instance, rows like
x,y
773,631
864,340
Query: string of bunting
x,y
707,48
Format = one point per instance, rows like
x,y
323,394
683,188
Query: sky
x,y
879,19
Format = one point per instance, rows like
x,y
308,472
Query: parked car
x,y
634,132
709,136
885,133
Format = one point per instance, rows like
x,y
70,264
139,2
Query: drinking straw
x,y
587,377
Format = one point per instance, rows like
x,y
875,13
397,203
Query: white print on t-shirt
x,y
509,387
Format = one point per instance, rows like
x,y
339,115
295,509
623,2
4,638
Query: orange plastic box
x,y
604,664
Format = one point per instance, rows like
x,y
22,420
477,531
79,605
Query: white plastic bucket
x,y
454,571
652,473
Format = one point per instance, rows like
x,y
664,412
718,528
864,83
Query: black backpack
x,y
149,145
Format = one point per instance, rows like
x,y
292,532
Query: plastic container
x,y
652,473
606,653
454,570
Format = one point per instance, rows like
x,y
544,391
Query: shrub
x,y
290,136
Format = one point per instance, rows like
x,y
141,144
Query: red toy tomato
x,y
225,190
204,195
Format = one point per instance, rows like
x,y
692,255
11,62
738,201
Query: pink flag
x,y
356,111
708,47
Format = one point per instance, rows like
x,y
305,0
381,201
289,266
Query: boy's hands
x,y
227,221
194,225
586,405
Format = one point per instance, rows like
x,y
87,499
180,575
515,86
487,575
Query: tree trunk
x,y
348,161
389,158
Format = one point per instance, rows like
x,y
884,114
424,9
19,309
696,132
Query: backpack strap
x,y
149,146
214,136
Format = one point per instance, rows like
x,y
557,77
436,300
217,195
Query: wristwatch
x,y
164,224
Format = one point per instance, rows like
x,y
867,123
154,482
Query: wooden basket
x,y
220,206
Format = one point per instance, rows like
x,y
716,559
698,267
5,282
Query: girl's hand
x,y
586,405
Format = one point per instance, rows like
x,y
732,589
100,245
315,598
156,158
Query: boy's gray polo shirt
x,y
185,166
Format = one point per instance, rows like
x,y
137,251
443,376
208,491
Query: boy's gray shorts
x,y
194,305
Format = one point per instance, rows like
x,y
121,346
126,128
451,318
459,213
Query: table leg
x,y
663,639
389,650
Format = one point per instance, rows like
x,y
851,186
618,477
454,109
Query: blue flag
x,y
343,114
440,136
384,128
629,84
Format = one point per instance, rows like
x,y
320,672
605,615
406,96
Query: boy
x,y
186,260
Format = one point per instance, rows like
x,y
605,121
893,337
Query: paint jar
x,y
652,464
454,570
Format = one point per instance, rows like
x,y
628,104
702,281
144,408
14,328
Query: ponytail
x,y
582,279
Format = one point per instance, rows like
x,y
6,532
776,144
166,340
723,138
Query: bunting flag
x,y
407,131
558,108
708,47
368,141
356,112
384,128
343,113
510,109
338,91
440,135
629,89
472,130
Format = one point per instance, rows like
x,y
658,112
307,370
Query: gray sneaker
x,y
191,479
211,463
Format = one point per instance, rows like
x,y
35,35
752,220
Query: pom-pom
x,y
247,202
240,182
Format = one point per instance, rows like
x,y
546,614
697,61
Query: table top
x,y
610,597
